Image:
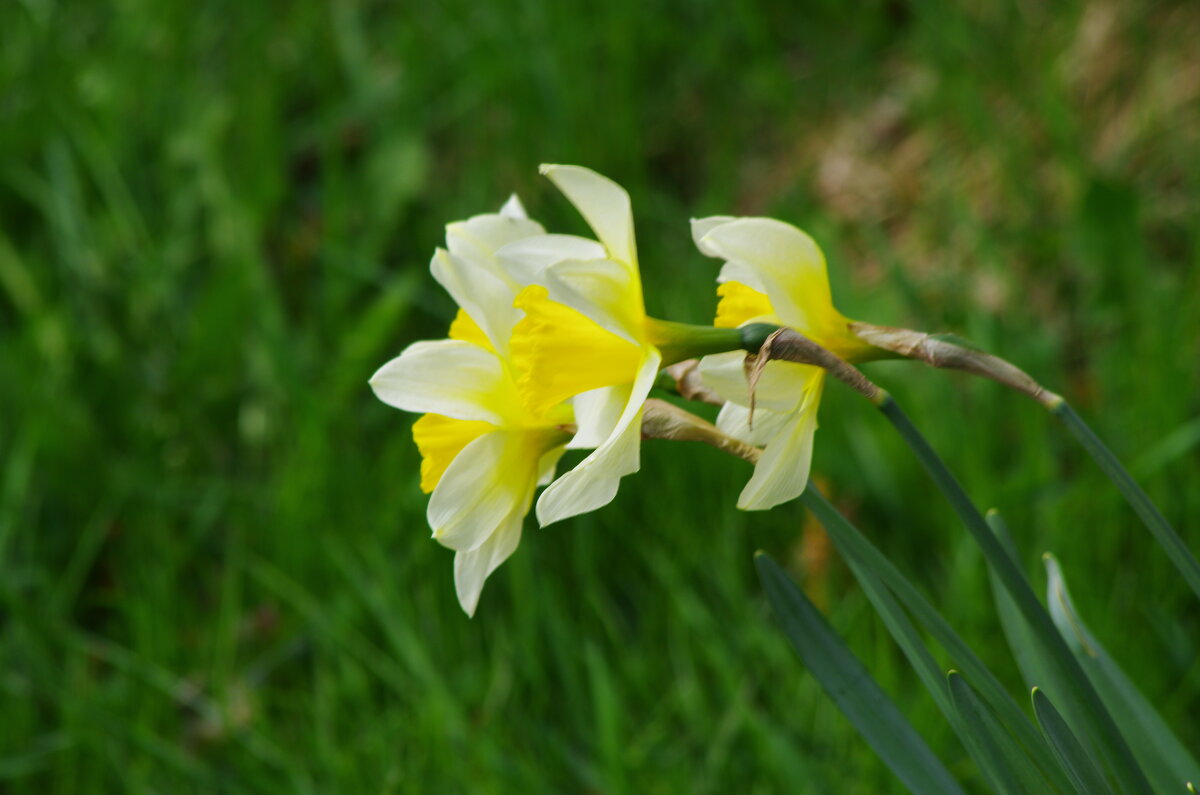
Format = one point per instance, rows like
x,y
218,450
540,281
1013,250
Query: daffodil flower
x,y
586,334
773,274
484,449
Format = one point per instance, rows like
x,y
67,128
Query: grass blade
x,y
851,687
1078,764
1162,755
1076,690
1155,522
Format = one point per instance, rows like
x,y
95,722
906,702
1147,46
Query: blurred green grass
x,y
214,569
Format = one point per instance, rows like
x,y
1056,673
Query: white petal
x,y
734,420
604,205
594,482
607,292
547,466
450,377
781,385
597,413
702,226
583,490
725,374
513,208
472,567
482,294
525,260
782,472
743,273
730,271
473,276
483,485
789,263
484,235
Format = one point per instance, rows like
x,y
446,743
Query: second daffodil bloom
x,y
586,334
775,274
484,449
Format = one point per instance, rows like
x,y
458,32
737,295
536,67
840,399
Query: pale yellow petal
x,y
548,466
603,204
734,420
469,271
596,414
454,378
473,567
791,267
526,260
781,385
725,373
702,226
486,481
480,237
594,481
481,293
439,440
781,473
743,273
514,209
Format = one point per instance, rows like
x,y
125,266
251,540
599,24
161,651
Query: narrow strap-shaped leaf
x,y
1073,687
1030,655
990,744
1166,760
851,687
894,617
1155,522
876,575
1079,766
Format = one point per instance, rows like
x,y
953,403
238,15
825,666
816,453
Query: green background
x,y
215,223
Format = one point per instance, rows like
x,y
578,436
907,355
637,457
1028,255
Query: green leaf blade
x,y
1088,780
851,686
887,589
1001,760
1071,685
1165,759
1146,510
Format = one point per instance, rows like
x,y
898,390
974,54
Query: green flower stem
x,y
755,335
1155,522
680,341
